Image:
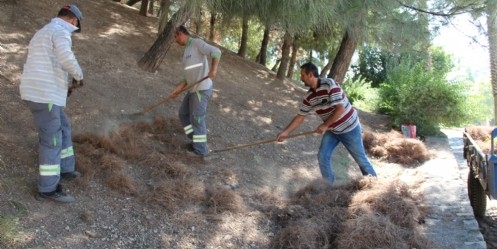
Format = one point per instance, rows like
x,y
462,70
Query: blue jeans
x,y
352,141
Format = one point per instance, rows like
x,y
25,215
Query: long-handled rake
x,y
261,142
165,100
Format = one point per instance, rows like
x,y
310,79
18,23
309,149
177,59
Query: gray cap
x,y
76,12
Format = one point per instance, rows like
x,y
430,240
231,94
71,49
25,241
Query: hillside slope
x,y
248,105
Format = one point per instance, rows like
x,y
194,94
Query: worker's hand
x,y
74,84
70,90
177,90
77,83
212,74
321,129
280,137
174,94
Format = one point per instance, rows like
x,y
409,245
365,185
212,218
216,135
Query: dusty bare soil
x,y
139,188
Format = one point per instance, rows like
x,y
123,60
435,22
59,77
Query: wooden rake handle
x,y
166,99
262,142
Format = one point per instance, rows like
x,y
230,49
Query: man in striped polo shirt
x,y
44,88
340,121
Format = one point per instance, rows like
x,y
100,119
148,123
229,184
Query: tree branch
x,y
457,10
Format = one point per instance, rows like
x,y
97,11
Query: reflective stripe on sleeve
x,y
49,170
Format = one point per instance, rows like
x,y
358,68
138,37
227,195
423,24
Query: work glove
x,y
77,83
74,84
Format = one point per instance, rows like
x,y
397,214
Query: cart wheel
x,y
477,196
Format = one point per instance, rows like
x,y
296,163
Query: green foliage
x,y
374,64
441,61
232,33
361,94
8,233
371,66
480,102
414,94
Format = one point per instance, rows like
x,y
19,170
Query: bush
x,y
361,94
423,97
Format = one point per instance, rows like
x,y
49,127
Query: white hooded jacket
x,y
50,59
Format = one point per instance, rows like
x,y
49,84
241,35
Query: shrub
x,y
361,94
423,97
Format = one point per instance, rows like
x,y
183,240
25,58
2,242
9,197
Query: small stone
x,y
91,234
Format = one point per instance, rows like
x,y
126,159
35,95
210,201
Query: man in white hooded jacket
x,y
44,88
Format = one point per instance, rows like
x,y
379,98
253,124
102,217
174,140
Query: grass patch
x,y
10,211
8,232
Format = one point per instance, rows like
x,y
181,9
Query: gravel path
x,y
451,222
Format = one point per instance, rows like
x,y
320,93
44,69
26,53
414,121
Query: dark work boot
x,y
58,195
69,176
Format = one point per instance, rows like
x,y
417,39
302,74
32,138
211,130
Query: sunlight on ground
x,y
237,226
256,105
287,103
119,30
264,120
226,109
15,36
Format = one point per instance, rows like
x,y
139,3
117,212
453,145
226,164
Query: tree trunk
x,y
162,7
276,65
293,58
326,67
132,2
197,21
344,56
264,43
143,8
285,56
212,29
164,13
151,7
155,55
492,48
242,51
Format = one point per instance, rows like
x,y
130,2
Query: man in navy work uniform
x,y
193,109
340,121
44,88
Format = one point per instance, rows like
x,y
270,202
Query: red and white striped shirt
x,y
323,101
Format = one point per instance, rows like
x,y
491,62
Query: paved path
x,y
451,222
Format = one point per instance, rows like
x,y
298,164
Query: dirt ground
x,y
248,105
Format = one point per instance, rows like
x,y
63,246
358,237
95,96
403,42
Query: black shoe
x,y
58,195
70,175
210,156
192,153
189,146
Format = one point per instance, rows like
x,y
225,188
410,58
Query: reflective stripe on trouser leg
x,y
200,138
188,129
184,116
47,118
198,110
49,170
68,161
